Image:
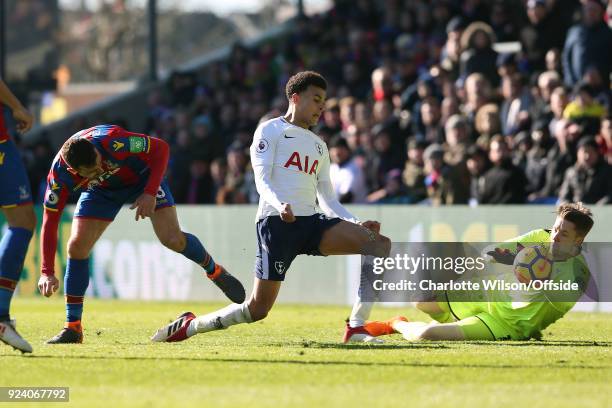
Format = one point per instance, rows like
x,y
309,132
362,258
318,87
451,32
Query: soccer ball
x,y
533,263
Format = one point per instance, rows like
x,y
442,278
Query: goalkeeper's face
x,y
565,239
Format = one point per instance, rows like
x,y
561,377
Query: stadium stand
x,y
421,107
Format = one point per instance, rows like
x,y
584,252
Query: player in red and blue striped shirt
x,y
109,166
16,205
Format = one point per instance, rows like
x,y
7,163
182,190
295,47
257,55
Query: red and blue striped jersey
x,y
127,159
5,133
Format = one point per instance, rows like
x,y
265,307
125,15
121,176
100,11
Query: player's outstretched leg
x,y
13,248
346,238
167,229
256,308
470,328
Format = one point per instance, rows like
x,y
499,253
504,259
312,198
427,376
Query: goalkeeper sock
x,y
75,285
195,251
13,248
410,330
221,319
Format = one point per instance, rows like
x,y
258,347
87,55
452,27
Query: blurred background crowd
x,y
429,102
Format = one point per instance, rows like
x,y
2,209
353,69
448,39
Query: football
x,y
533,263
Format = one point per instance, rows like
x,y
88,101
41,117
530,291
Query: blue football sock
x,y
13,248
195,251
75,285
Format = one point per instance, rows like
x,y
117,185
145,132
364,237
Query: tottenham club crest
x,y
319,149
262,145
280,267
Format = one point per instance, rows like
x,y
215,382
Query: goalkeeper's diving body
x,y
495,320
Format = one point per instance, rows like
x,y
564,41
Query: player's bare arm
x,y
24,119
144,206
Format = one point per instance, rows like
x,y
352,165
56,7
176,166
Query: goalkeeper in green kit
x,y
500,318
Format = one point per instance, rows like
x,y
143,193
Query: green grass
x,y
294,358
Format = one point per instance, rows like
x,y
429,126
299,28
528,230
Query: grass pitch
x,y
295,358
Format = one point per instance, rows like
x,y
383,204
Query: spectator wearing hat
x,y
451,53
478,54
504,183
590,179
346,176
588,44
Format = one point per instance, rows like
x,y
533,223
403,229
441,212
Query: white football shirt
x,y
291,165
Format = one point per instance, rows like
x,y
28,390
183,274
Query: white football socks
x,y
220,319
360,313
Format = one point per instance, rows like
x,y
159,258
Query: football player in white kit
x,y
291,166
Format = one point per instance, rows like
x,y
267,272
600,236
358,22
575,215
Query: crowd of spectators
x,y
425,106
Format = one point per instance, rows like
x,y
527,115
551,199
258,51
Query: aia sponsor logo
x,y
302,165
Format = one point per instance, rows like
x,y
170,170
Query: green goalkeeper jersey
x,y
528,317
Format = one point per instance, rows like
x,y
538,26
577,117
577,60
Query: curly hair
x,y
299,82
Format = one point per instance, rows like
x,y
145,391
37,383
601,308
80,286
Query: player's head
x,y
81,156
573,223
306,92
